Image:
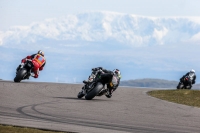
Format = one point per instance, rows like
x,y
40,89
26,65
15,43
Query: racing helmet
x,y
192,71
117,72
41,52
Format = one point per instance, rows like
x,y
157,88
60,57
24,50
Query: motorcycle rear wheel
x,y
188,87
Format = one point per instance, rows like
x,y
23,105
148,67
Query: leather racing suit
x,y
38,61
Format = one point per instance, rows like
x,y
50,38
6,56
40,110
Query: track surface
x,y
55,106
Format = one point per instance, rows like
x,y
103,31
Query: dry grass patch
x,y
12,129
187,97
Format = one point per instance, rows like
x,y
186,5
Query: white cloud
x,y
83,30
159,34
108,28
103,26
196,38
195,19
1,38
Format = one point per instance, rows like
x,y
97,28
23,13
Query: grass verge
x,y
13,129
187,97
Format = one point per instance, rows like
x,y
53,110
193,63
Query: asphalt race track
x,y
55,106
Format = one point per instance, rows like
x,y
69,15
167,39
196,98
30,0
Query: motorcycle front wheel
x,y
80,94
90,95
20,75
180,86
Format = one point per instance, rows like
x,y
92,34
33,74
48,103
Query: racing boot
x,y
108,94
27,76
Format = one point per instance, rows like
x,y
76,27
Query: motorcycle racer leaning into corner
x,y
39,63
112,78
193,75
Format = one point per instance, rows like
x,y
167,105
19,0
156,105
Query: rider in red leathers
x,y
38,60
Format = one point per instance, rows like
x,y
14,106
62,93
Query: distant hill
x,y
196,86
153,83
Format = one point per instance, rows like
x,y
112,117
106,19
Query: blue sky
x,y
81,35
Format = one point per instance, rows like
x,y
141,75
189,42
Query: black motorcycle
x,y
185,83
93,87
24,71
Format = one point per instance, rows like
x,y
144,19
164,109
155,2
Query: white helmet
x,y
192,71
117,72
41,52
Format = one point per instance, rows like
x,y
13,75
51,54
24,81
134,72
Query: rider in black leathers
x,y
111,78
192,72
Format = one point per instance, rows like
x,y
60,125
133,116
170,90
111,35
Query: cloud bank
x,y
105,26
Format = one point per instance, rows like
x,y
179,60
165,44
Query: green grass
x,y
187,97
13,129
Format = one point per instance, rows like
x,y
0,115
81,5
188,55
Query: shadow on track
x,y
74,98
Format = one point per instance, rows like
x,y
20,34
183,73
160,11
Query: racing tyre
x,y
90,95
20,75
180,86
188,87
80,94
